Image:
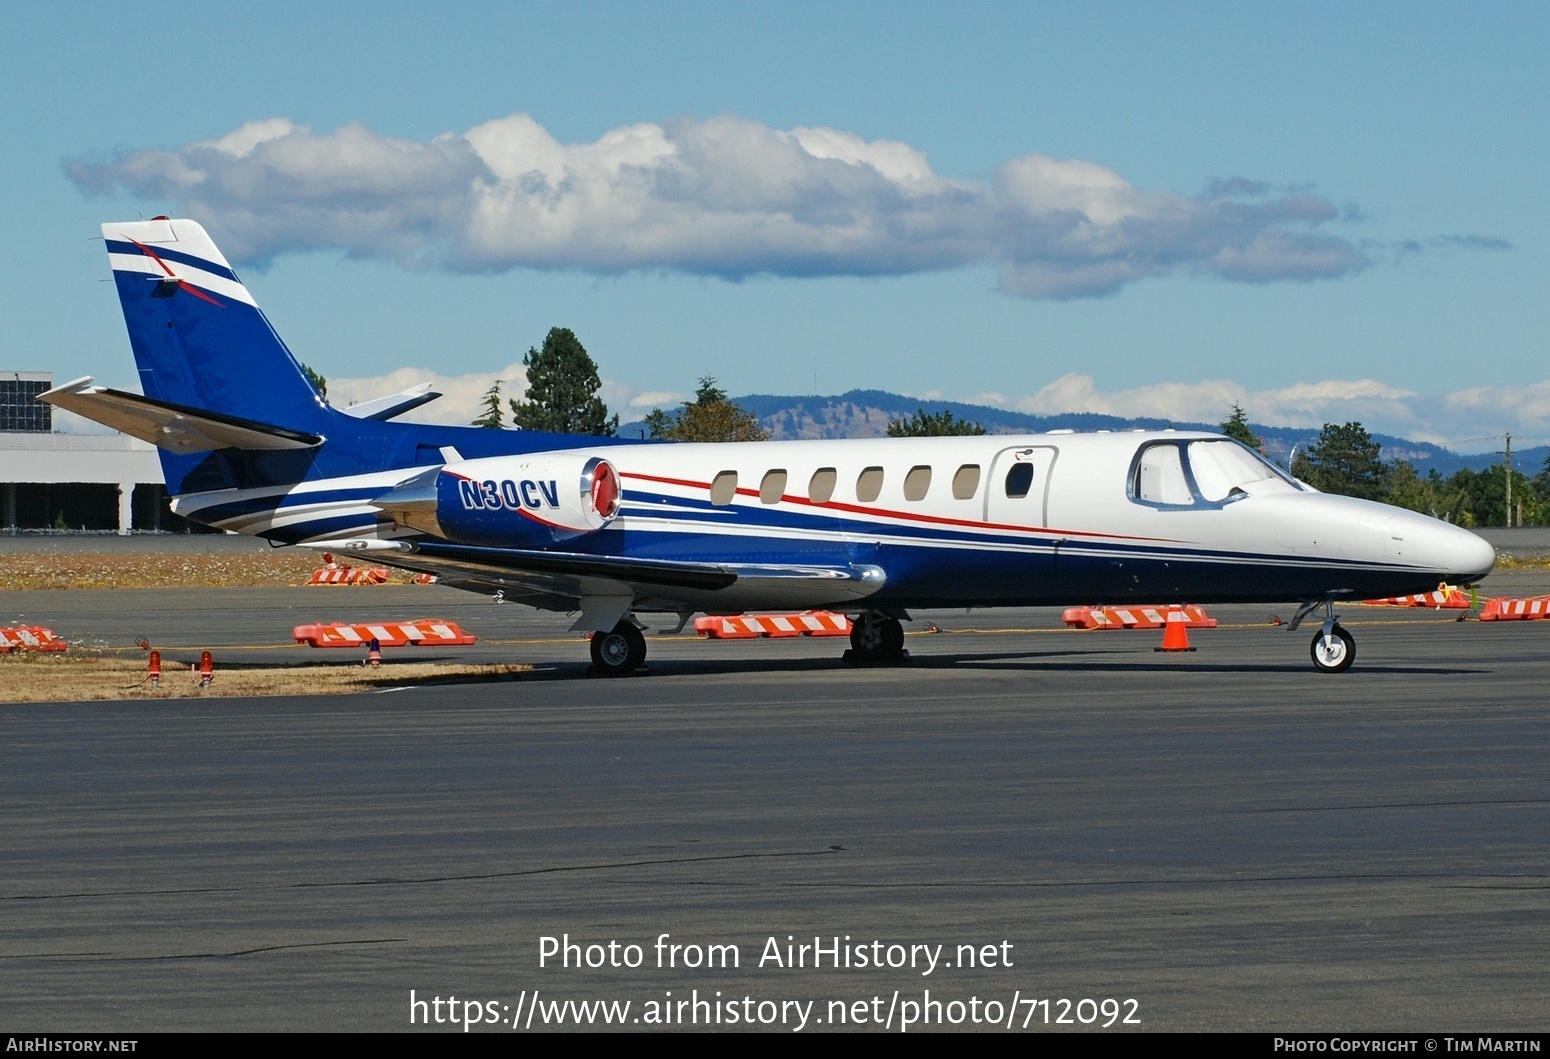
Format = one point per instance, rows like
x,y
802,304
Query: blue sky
x,y
1324,211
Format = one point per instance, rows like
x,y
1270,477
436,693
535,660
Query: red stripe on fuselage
x,y
943,520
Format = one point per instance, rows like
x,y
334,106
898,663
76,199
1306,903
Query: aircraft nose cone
x,y
1461,556
1474,558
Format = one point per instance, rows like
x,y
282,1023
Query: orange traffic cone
x,y
1175,632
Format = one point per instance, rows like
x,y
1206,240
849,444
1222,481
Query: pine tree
x,y
562,385
1345,460
1237,428
491,403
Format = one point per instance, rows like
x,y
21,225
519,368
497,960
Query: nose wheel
x,y
1333,651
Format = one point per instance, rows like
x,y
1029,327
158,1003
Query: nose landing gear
x,y
1333,649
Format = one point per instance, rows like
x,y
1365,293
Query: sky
x,y
1322,211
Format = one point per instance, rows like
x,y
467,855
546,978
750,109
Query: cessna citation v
x,y
611,529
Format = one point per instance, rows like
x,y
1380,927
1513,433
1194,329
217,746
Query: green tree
x,y
925,424
709,417
1409,490
1541,483
1345,461
319,383
562,385
491,403
1480,497
1237,427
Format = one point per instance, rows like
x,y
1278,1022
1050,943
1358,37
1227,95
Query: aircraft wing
x,y
569,580
170,426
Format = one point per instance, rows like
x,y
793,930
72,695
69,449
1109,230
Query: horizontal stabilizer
x,y
383,408
169,426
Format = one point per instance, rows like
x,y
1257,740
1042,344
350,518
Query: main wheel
x,y
619,650
1334,655
876,638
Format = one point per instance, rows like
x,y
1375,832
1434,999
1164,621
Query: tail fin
x,y
199,339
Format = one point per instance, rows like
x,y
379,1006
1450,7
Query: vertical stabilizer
x,y
198,337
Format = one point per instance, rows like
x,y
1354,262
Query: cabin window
x,y
773,487
821,487
1019,479
917,483
869,485
723,488
966,482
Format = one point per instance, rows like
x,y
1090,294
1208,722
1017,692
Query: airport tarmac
x,y
1227,838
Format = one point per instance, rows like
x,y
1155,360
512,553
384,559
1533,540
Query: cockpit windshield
x,y
1183,474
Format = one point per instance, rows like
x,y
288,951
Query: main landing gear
x,y
620,650
1333,649
876,639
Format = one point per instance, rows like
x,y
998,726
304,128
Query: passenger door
x,y
1017,489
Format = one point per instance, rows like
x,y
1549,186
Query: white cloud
x,y
724,196
462,399
462,395
1466,421
657,399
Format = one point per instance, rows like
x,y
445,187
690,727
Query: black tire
x,y
1337,656
618,651
876,638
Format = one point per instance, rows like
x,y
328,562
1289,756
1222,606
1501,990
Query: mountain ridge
x,y
867,413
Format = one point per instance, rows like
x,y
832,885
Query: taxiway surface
x,y
1229,838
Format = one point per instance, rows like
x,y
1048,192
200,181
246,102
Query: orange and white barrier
x,y
773,626
427,632
1446,597
1504,609
350,575
30,638
1134,617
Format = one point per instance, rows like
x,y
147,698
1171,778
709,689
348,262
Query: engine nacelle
x,y
526,501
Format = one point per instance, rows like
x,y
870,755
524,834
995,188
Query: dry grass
x,y
76,677
1529,562
50,570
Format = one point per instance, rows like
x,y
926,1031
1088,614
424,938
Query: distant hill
x,y
867,413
